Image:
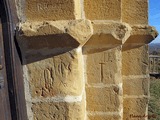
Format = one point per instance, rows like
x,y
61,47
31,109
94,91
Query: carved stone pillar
x,y
135,59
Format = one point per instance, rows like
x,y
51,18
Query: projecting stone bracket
x,y
106,35
40,40
140,35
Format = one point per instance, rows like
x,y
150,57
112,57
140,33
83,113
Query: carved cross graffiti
x,y
101,70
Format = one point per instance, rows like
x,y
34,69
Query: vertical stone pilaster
x,y
135,71
135,82
103,62
135,59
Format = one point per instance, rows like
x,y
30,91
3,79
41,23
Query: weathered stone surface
x,y
104,67
81,30
60,75
105,99
135,107
135,61
74,28
104,117
106,35
136,86
50,31
140,35
135,11
103,9
41,10
58,111
44,39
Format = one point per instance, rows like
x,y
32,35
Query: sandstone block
x,y
58,111
106,99
59,75
103,9
139,36
135,11
106,35
135,61
104,67
42,10
135,107
136,86
104,117
44,39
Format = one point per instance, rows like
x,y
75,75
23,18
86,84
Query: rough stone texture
x,y
44,39
112,35
58,111
40,10
136,107
135,61
103,9
105,99
106,35
136,86
60,75
104,67
74,28
135,67
104,117
139,36
135,11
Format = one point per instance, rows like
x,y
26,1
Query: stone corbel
x,y
106,35
40,40
140,35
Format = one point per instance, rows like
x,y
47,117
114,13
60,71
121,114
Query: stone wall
x,y
83,59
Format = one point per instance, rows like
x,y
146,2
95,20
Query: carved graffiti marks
x,y
102,68
108,64
50,9
49,78
62,71
102,74
50,6
59,75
